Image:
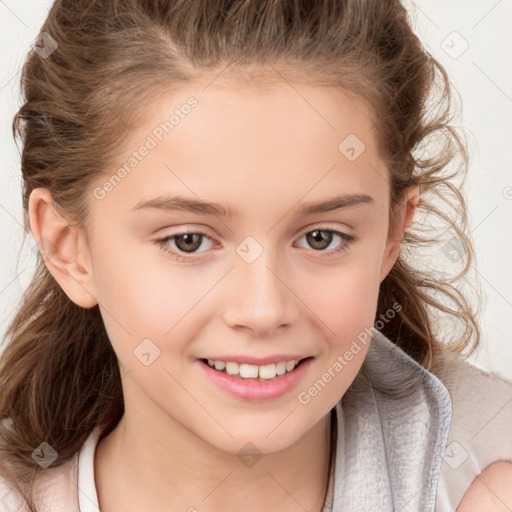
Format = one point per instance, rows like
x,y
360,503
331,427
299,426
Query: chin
x,y
264,438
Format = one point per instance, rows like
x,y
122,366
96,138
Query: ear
x,y
403,219
64,248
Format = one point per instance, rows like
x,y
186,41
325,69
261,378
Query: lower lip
x,y
252,389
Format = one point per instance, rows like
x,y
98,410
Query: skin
x,y
490,491
263,152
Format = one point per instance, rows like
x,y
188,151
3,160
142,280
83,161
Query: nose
x,y
260,298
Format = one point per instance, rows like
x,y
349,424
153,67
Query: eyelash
x,y
347,239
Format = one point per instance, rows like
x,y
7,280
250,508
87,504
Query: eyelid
x,y
324,226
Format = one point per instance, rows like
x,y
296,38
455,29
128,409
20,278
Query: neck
x,y
138,468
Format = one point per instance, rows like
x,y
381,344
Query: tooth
x,y
220,365
281,368
268,371
232,368
248,371
290,365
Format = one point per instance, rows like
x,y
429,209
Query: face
x,y
265,279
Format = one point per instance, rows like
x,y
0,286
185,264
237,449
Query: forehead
x,y
242,141
288,109
258,105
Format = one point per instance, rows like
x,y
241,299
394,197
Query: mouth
x,y
251,382
258,373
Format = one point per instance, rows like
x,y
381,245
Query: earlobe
x,y
63,247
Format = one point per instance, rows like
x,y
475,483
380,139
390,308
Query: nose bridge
x,y
261,300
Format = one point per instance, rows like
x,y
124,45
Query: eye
x,y
187,242
321,238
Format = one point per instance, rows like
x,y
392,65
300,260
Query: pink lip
x,y
252,389
258,361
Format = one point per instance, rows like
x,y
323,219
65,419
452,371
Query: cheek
x,y
345,304
151,301
345,297
142,289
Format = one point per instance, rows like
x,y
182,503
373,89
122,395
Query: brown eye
x,y
318,239
182,244
188,241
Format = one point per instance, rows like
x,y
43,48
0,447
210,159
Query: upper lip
x,y
258,361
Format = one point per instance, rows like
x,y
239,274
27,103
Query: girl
x,y
286,360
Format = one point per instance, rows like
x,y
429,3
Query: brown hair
x,y
58,373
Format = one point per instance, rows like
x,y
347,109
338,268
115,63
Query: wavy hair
x,y
59,376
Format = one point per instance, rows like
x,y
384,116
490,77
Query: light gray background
x,y
482,73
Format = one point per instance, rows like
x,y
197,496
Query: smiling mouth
x,y
252,371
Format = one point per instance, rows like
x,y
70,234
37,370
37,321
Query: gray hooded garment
x,y
393,425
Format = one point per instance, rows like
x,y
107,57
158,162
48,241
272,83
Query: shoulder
x,y
480,399
479,433
491,490
457,370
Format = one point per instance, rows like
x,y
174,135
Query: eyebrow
x,y
178,203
